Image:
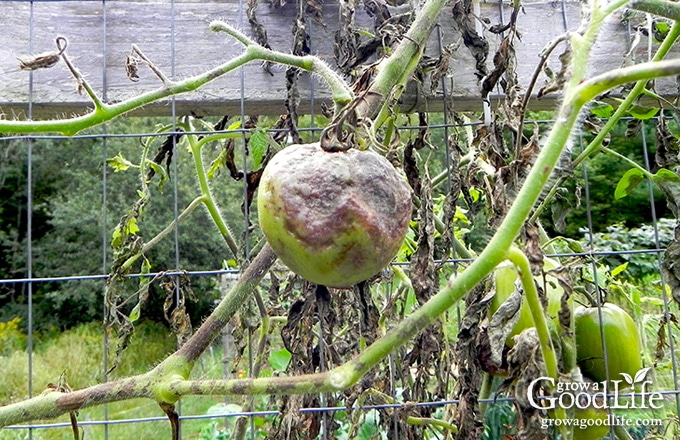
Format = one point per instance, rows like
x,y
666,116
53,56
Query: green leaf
x,y
601,109
620,268
475,194
131,227
216,164
144,283
279,359
665,175
662,26
365,33
116,237
136,312
628,182
661,29
258,147
573,245
234,126
643,113
119,163
369,428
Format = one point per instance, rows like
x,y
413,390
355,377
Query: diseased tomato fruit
x,y
333,218
505,276
622,342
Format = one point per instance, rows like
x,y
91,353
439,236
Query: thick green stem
x,y
485,392
430,421
208,200
634,93
658,7
630,162
52,404
521,262
620,111
234,299
392,71
341,92
607,81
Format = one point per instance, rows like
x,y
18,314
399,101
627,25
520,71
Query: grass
x,y
77,353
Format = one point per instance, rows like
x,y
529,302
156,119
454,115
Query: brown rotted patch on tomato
x,y
322,205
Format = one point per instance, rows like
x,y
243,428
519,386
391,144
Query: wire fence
x,y
596,249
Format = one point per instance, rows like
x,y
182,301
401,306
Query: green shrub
x,y
11,337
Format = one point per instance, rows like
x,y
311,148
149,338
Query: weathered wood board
x,y
176,37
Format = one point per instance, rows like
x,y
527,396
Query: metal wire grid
x,y
30,280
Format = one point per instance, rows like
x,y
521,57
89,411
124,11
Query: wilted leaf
x,y
669,182
666,144
119,163
477,44
501,325
643,113
628,182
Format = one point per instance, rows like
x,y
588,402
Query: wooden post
x,y
100,39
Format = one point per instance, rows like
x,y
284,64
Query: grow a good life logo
x,y
616,394
627,393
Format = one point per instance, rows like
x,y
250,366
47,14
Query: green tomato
x,y
591,430
505,277
622,342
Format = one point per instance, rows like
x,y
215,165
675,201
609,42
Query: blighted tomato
x,y
505,276
622,342
333,218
